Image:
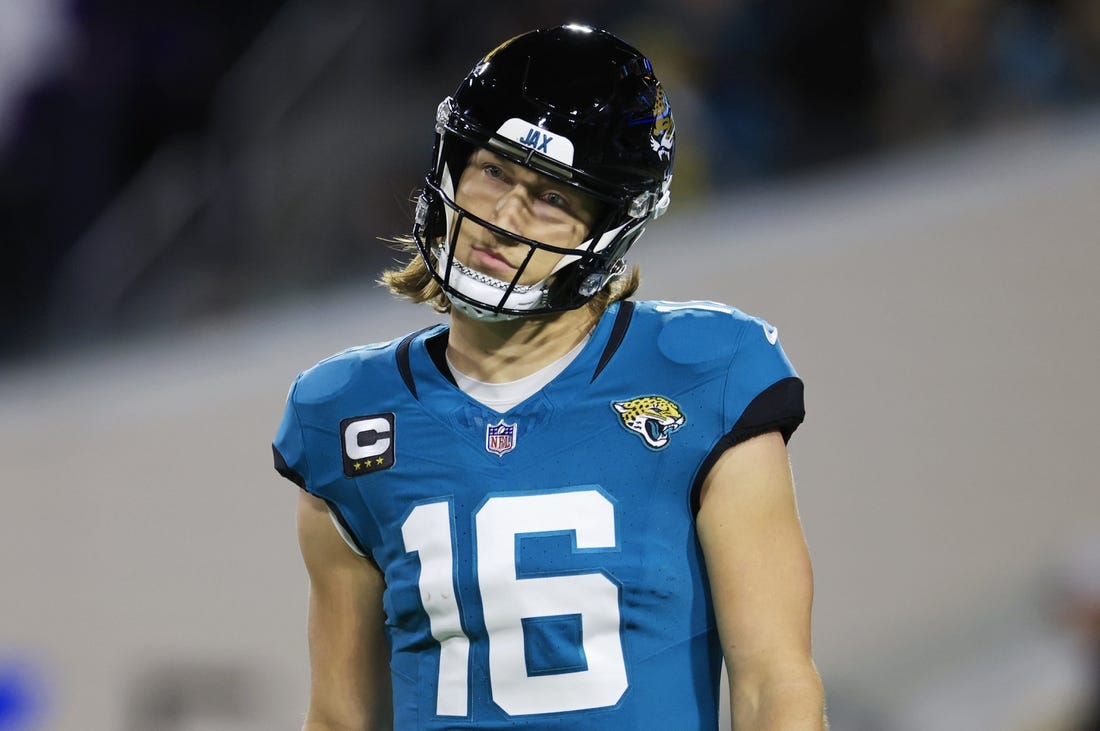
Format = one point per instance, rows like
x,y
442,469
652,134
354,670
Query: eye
x,y
493,171
557,200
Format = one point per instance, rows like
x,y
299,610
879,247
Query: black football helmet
x,y
574,103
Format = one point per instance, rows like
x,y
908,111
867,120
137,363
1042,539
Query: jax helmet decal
x,y
573,103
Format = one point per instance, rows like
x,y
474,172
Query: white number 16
x,y
508,600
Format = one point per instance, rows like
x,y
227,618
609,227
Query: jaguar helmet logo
x,y
663,133
653,418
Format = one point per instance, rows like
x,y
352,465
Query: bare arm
x,y
348,653
762,587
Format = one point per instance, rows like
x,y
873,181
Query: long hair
x,y
414,282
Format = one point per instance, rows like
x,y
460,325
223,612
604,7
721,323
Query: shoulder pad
x,y
699,331
333,374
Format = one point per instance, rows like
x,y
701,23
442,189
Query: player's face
x,y
523,202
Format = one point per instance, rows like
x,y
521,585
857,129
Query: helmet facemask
x,y
579,274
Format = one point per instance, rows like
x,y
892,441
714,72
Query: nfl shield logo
x,y
500,437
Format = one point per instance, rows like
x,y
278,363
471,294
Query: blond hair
x,y
414,282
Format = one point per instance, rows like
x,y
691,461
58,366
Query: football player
x,y
563,508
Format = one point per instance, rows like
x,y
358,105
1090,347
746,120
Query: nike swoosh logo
x,y
771,333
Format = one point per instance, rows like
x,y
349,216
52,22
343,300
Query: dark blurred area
x,y
189,158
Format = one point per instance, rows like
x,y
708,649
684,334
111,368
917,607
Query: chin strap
x,y
483,289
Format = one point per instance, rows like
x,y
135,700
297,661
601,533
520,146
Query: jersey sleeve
x,y
763,393
289,449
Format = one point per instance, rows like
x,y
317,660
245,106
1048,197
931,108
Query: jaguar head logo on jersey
x,y
653,418
500,437
368,443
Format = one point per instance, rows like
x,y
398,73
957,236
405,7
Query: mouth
x,y
490,261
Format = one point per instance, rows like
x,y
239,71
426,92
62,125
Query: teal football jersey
x,y
541,565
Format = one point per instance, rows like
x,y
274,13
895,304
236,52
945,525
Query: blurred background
x,y
192,200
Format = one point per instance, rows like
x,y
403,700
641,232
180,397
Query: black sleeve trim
x,y
335,511
778,408
615,339
285,470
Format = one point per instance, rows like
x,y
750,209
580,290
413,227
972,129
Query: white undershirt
x,y
502,396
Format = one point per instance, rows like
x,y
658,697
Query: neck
x,y
499,352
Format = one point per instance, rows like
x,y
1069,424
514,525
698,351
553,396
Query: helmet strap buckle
x,y
594,281
640,205
423,206
443,114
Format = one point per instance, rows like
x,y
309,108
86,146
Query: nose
x,y
512,209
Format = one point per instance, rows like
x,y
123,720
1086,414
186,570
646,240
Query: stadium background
x,y
192,200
